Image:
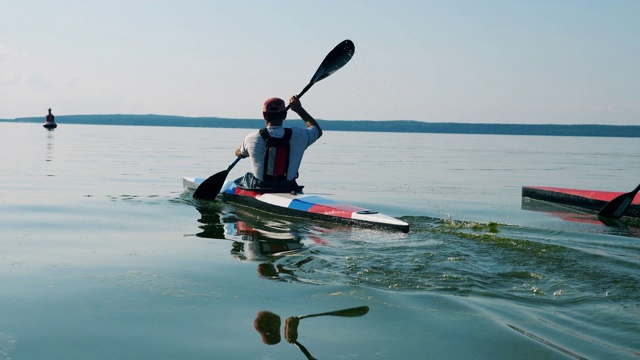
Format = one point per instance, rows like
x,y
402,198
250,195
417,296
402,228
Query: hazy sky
x,y
535,61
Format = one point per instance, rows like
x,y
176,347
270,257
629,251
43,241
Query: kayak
x,y
590,200
308,206
50,125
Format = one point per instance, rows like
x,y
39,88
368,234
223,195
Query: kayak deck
x,y
592,200
307,206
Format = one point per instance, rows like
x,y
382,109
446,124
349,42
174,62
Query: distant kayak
x,y
589,200
50,125
298,204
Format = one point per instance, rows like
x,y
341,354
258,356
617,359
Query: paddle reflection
x,y
267,324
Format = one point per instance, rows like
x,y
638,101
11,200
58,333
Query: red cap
x,y
274,105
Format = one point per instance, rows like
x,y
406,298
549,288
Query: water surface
x,y
103,255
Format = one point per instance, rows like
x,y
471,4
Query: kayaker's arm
x,y
296,106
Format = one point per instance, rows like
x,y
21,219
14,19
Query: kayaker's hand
x,y
291,329
239,154
295,104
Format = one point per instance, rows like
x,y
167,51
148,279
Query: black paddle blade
x,y
616,207
351,312
354,312
210,188
336,59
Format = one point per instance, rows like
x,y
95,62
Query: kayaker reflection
x,y
267,324
259,250
266,248
269,270
252,244
259,245
276,152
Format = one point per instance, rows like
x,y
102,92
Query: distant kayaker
x,y
50,118
276,152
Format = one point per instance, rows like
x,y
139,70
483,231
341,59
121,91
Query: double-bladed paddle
x,y
210,188
336,59
616,207
291,325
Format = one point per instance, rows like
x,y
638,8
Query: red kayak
x,y
590,200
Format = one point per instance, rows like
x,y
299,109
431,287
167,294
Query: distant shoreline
x,y
409,126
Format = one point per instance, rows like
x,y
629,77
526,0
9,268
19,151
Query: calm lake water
x,y
104,256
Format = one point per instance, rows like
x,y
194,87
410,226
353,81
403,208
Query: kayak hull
x,y
306,206
50,126
590,200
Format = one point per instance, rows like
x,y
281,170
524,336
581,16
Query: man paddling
x,y
50,118
276,152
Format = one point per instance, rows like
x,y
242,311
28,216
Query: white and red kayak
x,y
308,206
591,200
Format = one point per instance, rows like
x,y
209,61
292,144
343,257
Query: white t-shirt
x,y
255,146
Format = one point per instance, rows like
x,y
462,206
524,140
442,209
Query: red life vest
x,y
276,155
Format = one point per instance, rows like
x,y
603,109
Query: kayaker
x,y
274,160
50,118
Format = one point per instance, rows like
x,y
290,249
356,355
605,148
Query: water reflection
x,y
260,238
626,226
267,324
50,139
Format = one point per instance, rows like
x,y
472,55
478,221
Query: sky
x,y
489,61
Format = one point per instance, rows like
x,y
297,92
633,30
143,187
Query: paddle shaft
x,y
309,85
304,351
352,312
233,163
